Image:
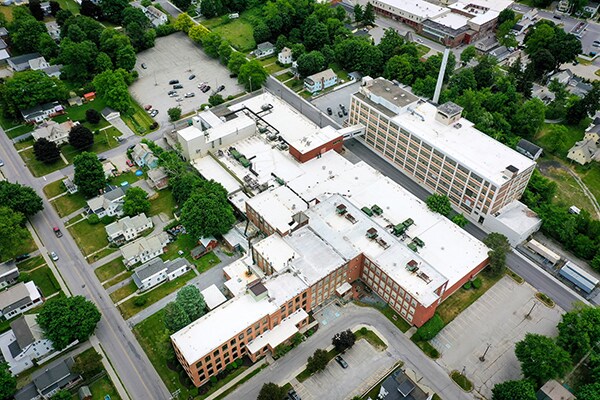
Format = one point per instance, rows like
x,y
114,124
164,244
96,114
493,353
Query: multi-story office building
x,y
439,149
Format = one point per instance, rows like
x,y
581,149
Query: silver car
x,y
53,256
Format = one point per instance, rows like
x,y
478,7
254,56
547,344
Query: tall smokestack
x,y
440,80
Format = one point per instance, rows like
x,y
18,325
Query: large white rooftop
x,y
277,207
210,169
284,287
241,273
419,8
452,20
315,139
276,252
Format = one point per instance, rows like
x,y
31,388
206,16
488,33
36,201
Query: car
x,y
419,40
341,106
191,77
329,111
148,107
220,88
129,163
144,66
596,45
517,8
201,85
557,17
53,256
341,361
205,89
340,114
154,113
292,395
1,163
173,81
174,94
597,41
190,94
130,147
22,257
57,231
345,111
101,158
179,99
178,86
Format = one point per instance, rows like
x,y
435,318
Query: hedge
x,y
430,328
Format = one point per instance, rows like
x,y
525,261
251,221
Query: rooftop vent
x,y
351,218
372,233
412,266
424,276
340,209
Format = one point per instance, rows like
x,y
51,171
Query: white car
x,y
53,256
189,95
1,163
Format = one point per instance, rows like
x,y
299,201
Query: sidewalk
x,y
237,379
109,369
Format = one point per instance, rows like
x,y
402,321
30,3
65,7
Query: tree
x,y
66,319
344,340
215,99
90,9
12,232
81,137
92,116
175,317
113,10
183,23
88,364
192,302
20,198
529,118
54,8
541,359
315,36
225,51
439,203
182,4
183,185
35,8
311,63
368,17
460,220
236,61
358,12
47,47
211,43
511,390
539,191
126,58
111,86
77,59
425,87
8,383
391,44
318,361
499,246
46,151
271,391
62,16
25,32
211,8
589,392
506,15
62,395
198,32
252,75
468,54
174,113
578,330
485,72
89,174
207,212
136,202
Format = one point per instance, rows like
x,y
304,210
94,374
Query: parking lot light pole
x,y
482,358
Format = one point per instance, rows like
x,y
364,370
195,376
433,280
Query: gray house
x,y
529,149
45,383
21,63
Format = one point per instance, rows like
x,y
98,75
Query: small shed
x,y
84,393
209,242
89,96
198,252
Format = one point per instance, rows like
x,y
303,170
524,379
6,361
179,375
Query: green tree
x,y
368,17
136,202
8,383
62,16
77,59
46,151
183,23
113,10
111,86
225,51
311,63
175,317
556,136
271,391
183,185
485,72
20,198
499,246
174,113
12,232
512,390
315,36
211,8
541,359
47,47
207,212
211,43
81,137
126,58
92,116
589,392
460,220
468,54
182,4
88,364
358,12
529,118
252,75
579,330
35,8
103,63
424,87
391,44
236,61
62,395
66,319
506,15
25,32
215,99
90,9
198,32
192,302
439,203
539,191
344,340
401,68
89,174
318,361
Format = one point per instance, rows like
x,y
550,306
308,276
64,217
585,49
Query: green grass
x,y
110,269
54,189
31,263
75,219
569,192
241,382
153,336
545,299
7,11
123,292
422,50
517,278
371,337
163,202
102,253
590,175
186,243
89,238
390,314
271,69
103,141
117,279
45,280
574,134
38,168
128,309
128,177
304,375
284,77
21,130
24,144
69,203
427,348
137,119
69,5
222,382
26,246
461,381
77,113
239,33
206,262
102,387
339,71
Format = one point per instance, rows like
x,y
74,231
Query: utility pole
x,y
482,358
528,315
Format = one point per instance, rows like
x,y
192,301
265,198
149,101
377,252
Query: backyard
x,y
186,243
54,189
90,238
238,31
163,202
569,192
44,279
137,119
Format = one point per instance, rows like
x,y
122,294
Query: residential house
x,y
53,70
109,169
205,245
591,9
24,344
144,249
46,382
500,53
38,63
155,16
3,44
399,385
586,150
143,156
575,84
127,228
9,273
320,81
264,49
563,6
43,111
69,185
157,271
53,131
110,203
4,56
529,149
45,6
285,56
21,63
157,178
53,30
553,390
19,298
89,96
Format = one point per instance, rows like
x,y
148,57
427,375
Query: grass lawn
x,y
69,5
295,84
389,313
103,253
284,77
463,298
21,130
153,336
206,262
462,381
137,119
427,348
26,246
7,11
574,134
339,71
89,238
590,175
123,292
38,168
128,309
103,141
69,203
77,113
371,337
240,382
8,123
31,263
54,189
24,144
422,50
271,69
569,192
118,279
102,387
110,269
186,243
162,203
128,177
45,280
239,33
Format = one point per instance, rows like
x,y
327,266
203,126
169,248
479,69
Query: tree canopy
x,y
499,246
512,390
136,202
8,383
252,75
318,361
578,330
192,302
12,232
89,174
206,212
344,340
541,358
46,151
20,198
439,203
81,137
271,391
112,87
175,317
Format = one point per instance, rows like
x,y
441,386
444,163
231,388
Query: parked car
x,y
178,86
144,66
179,99
329,111
57,231
190,94
22,257
220,88
341,361
173,94
53,256
101,158
201,85
130,147
173,81
129,163
1,163
192,77
340,114
148,107
205,89
345,111
292,395
154,113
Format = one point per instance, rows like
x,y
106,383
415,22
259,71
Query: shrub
x,y
309,333
476,283
467,285
93,219
213,379
139,301
107,220
92,116
363,330
430,328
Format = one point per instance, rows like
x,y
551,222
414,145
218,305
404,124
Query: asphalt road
x,y
125,354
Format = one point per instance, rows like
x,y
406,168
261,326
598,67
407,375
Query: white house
x,y
158,178
264,49
24,344
144,249
320,81
53,131
9,273
285,56
18,299
53,30
157,271
128,228
38,63
42,112
109,203
155,16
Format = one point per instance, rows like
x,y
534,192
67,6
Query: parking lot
x,y
496,319
337,383
333,99
176,57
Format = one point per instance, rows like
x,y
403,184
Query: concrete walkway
x,y
109,369
106,259
117,286
121,126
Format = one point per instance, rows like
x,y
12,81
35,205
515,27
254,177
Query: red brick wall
x,y
335,144
464,280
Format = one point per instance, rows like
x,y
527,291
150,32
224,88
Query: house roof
x,y
142,244
115,194
265,46
22,332
327,74
13,295
54,375
3,32
24,59
200,249
157,265
157,174
124,223
528,146
33,111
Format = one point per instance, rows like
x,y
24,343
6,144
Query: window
x,y
207,359
216,353
241,336
224,348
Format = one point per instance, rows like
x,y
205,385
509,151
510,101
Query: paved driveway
x,y
498,319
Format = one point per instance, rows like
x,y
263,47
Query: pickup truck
x,y
57,231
